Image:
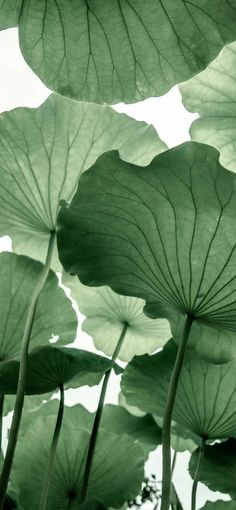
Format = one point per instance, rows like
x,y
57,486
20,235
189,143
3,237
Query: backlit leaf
x,y
165,233
113,50
206,396
106,312
218,470
212,95
43,152
54,316
116,474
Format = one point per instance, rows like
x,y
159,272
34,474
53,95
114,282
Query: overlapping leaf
x,y
113,50
218,471
116,474
206,396
106,312
54,315
43,151
50,367
212,95
165,233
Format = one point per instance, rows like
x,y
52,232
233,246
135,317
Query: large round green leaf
x,y
213,95
116,50
106,312
43,151
116,474
54,316
50,367
206,396
165,233
218,470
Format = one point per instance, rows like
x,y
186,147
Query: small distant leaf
x,y
54,314
49,367
206,396
111,51
43,152
106,312
212,94
219,468
219,505
165,233
116,474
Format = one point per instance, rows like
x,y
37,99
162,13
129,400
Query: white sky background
x,y
19,86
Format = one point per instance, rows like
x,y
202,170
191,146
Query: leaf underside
x,y
165,233
115,50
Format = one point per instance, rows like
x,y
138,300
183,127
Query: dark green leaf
x,y
43,152
54,316
212,95
165,233
219,505
49,367
106,312
206,395
116,475
92,505
219,467
9,13
111,51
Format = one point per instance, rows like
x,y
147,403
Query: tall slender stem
x,y
53,447
197,474
97,419
1,420
22,373
166,428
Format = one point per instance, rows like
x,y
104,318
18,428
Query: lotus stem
x,y
197,474
97,419
166,428
7,465
53,447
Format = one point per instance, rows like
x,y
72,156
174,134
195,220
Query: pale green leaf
x,y
212,95
54,316
116,50
106,312
43,152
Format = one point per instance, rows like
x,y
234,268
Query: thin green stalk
x,y
53,447
97,420
1,420
173,463
166,427
197,474
5,475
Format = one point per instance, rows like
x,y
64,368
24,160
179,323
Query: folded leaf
x,y
206,396
219,505
111,51
49,367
